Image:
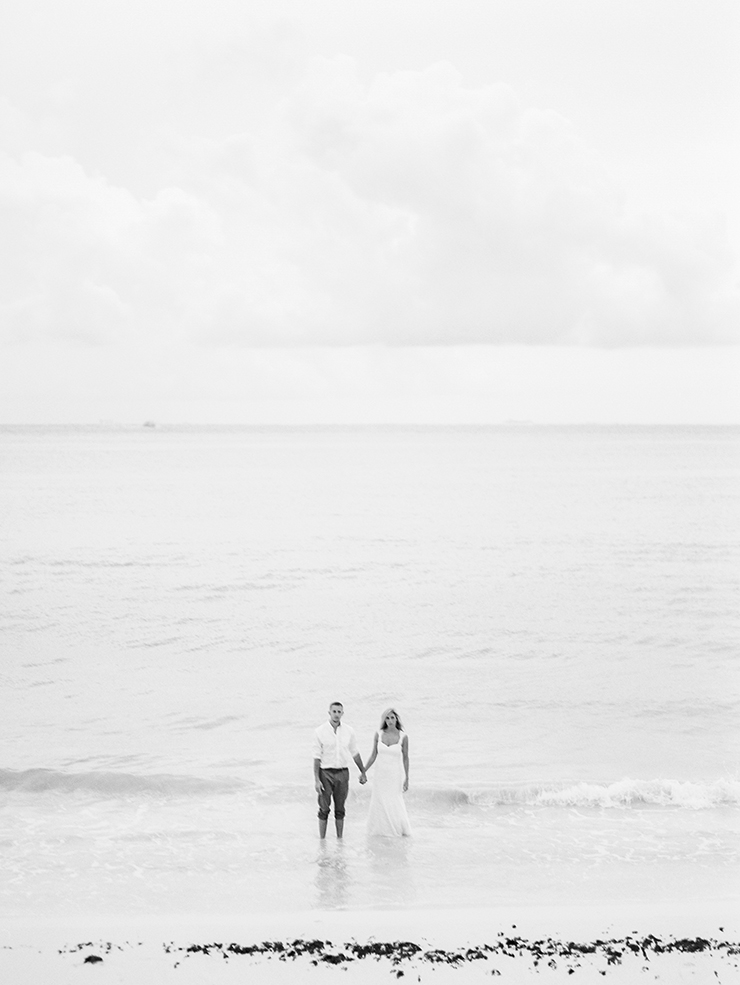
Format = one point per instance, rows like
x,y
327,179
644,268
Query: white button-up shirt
x,y
334,749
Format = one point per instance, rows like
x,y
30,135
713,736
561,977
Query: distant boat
x,y
149,424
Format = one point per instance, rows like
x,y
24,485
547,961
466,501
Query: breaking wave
x,y
112,784
623,793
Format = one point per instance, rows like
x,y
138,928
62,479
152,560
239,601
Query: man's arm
x,y
358,759
355,754
317,751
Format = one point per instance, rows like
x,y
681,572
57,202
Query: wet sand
x,y
681,944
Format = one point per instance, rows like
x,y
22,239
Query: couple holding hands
x,y
335,745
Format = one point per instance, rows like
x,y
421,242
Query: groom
x,y
333,746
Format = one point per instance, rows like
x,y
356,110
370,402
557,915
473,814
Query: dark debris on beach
x,y
547,951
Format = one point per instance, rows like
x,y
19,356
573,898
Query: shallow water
x,y
553,610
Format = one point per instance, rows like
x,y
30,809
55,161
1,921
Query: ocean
x,y
552,610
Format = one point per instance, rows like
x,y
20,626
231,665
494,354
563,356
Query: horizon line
x,y
150,425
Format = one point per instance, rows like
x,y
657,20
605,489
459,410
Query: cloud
x,y
363,384
405,209
514,232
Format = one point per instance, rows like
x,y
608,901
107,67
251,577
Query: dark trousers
x,y
334,785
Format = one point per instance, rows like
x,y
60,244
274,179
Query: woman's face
x,y
390,719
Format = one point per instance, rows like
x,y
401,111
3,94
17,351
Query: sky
x,y
355,212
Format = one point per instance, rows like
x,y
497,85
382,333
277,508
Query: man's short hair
x,y
336,704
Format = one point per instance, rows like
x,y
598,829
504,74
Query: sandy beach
x,y
514,945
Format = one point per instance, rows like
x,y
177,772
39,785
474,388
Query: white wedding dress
x,y
387,815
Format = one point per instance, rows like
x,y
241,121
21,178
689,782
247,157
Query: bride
x,y
387,814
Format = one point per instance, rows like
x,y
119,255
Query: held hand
x,y
363,778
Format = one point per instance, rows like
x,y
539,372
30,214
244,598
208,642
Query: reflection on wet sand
x,y
391,872
332,876
382,864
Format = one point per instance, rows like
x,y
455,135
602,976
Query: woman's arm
x,y
373,754
405,751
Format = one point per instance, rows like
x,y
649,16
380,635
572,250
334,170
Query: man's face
x,y
335,714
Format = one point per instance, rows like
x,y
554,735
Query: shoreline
x,y
689,942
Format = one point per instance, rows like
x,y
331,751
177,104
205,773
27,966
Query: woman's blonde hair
x,y
389,711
